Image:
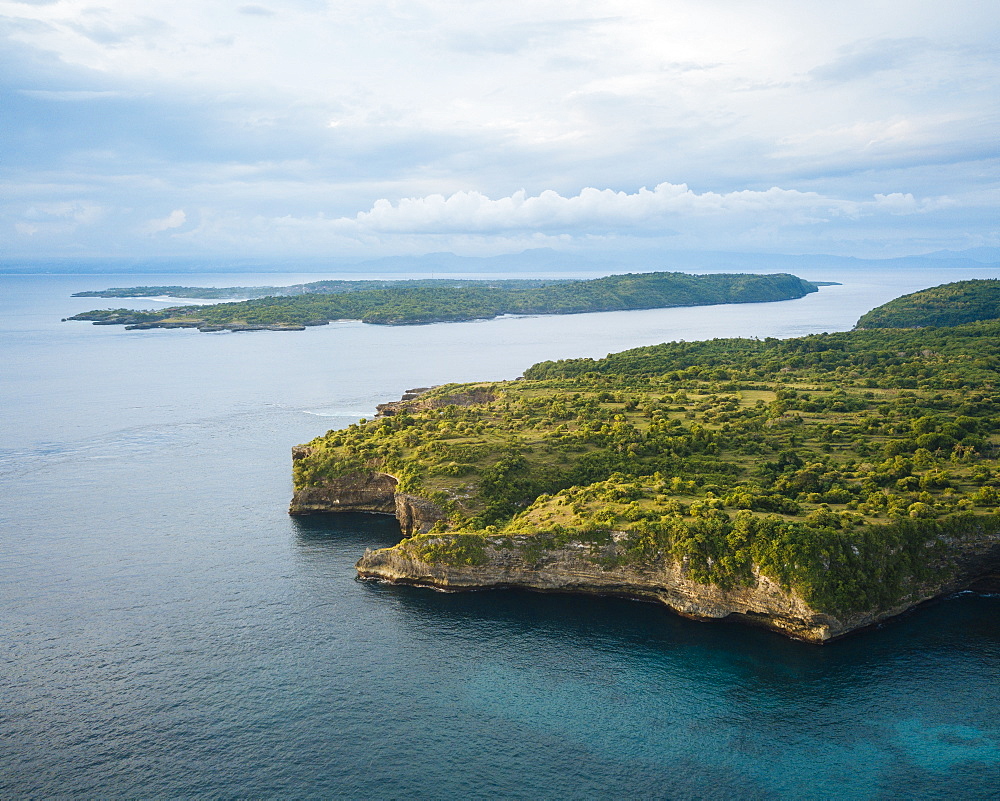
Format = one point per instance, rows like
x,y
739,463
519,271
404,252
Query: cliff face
x,y
365,492
572,569
371,492
413,401
577,567
972,559
416,515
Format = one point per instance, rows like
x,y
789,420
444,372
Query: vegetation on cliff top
x,y
948,304
446,302
843,466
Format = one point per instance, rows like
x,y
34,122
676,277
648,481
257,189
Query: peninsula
x,y
813,485
948,304
445,300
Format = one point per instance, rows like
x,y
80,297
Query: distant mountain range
x,y
986,255
540,260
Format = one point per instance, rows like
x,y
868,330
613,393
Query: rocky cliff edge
x,y
581,567
365,492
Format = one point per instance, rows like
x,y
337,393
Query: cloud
x,y
50,220
378,124
102,27
900,203
519,37
77,212
70,95
175,219
258,11
601,210
861,59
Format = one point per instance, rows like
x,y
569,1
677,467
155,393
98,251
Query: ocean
x,y
169,631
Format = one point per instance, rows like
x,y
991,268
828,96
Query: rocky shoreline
x,y
581,567
569,570
573,569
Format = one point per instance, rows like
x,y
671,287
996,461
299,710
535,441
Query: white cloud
x,y
175,219
604,209
47,221
77,212
253,10
78,95
373,121
861,59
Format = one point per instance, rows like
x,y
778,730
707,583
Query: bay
x,y
168,630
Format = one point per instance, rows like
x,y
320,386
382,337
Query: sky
x,y
367,129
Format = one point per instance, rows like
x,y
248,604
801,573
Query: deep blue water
x,y
168,630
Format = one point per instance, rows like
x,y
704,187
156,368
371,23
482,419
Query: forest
x,y
843,466
446,302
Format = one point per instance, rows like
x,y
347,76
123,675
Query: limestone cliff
x,y
610,478
371,492
585,567
570,569
582,567
416,515
365,492
413,400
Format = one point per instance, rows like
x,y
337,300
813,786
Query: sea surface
x,y
168,631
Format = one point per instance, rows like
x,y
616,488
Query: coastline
x,y
580,567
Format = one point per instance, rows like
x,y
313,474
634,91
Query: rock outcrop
x,y
413,401
580,567
971,560
368,492
573,569
365,492
416,515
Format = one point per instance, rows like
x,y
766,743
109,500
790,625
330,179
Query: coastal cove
x,y
174,633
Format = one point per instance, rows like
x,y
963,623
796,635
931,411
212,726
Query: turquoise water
x,y
169,631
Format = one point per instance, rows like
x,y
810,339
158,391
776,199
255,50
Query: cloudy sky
x,y
377,127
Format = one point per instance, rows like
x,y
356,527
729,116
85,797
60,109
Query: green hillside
x,y
948,304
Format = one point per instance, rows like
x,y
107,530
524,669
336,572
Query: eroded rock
x,y
365,492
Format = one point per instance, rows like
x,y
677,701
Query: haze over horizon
x,y
308,129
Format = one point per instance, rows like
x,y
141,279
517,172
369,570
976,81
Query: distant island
x,y
327,287
814,485
445,300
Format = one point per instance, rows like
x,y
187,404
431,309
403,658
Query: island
x,y
326,287
814,485
444,300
